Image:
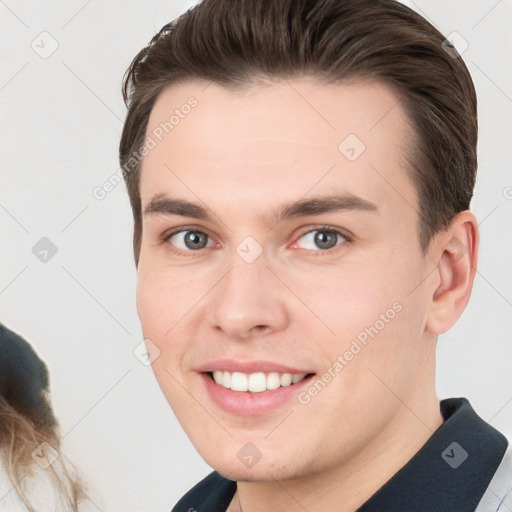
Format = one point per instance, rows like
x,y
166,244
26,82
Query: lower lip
x,y
248,403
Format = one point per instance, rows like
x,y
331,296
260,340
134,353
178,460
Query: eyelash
x,y
183,229
347,238
318,252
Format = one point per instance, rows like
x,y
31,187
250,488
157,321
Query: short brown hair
x,y
233,43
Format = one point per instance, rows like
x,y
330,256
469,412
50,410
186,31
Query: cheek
x,y
347,299
169,303
164,299
380,299
152,301
160,312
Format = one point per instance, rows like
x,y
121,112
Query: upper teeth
x,y
255,382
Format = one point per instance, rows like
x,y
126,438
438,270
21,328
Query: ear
x,y
456,253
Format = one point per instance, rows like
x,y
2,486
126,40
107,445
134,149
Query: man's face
x,y
260,288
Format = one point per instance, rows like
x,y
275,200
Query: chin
x,y
254,474
261,471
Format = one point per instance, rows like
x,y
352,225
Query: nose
x,y
248,302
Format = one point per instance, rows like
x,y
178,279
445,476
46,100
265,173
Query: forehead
x,y
277,141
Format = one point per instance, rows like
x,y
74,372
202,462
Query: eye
x,y
190,240
321,238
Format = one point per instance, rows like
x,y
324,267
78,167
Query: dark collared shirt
x,y
450,473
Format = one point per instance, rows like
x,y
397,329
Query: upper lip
x,y
232,365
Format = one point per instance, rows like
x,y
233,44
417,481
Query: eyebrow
x,y
161,204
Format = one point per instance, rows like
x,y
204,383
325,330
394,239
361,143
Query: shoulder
x,y
39,490
212,494
498,496
9,499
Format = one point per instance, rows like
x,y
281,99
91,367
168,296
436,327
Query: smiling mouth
x,y
256,382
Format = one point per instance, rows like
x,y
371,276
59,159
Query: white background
x,y
61,119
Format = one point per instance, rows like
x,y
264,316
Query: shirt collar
x,y
451,471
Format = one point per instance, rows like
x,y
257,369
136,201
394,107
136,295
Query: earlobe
x,y
455,273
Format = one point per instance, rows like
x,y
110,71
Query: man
x,y
300,175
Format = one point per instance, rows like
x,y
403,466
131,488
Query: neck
x,y
347,486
